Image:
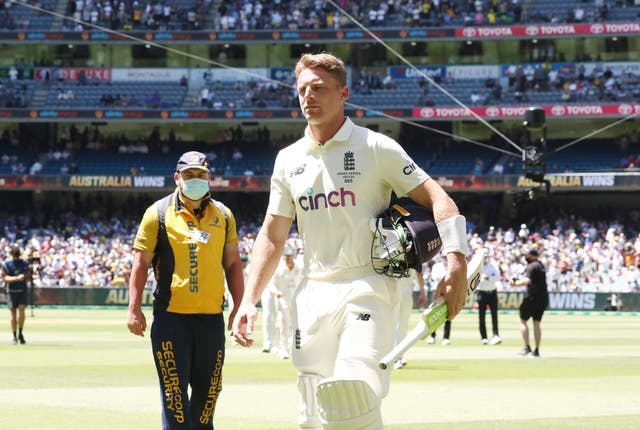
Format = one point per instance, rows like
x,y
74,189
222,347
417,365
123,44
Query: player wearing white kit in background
x,y
439,271
269,331
284,282
488,296
406,287
333,181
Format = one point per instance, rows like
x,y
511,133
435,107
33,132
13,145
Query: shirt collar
x,y
342,135
180,206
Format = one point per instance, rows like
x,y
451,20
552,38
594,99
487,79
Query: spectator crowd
x,y
95,249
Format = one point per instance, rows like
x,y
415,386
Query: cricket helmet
x,y
404,237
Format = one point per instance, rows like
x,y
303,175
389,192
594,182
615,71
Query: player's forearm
x,y
264,261
13,279
451,225
137,283
235,282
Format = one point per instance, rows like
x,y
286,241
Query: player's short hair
x,y
15,252
324,61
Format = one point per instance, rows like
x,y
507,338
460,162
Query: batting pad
x,y
348,405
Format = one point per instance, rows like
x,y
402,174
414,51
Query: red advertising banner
x,y
588,110
71,73
549,30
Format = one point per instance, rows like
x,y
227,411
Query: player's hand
x,y
137,322
422,299
454,285
243,323
232,317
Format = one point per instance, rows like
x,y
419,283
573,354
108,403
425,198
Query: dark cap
x,y
533,252
192,160
424,233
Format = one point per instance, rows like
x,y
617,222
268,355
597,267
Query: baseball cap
x,y
533,252
192,160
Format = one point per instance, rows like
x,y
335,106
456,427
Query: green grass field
x,y
81,369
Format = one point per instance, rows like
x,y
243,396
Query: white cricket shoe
x,y
495,340
485,341
431,340
446,342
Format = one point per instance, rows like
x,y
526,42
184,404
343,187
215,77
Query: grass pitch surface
x,y
81,369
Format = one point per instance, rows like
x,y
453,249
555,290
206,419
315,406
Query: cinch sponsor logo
x,y
312,202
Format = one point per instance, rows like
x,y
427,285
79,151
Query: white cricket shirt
x,y
333,190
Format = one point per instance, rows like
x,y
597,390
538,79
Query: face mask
x,y
195,189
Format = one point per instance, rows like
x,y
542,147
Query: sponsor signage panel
x,y
344,35
617,181
586,110
507,299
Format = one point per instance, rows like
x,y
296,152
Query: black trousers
x,y
447,330
489,298
188,350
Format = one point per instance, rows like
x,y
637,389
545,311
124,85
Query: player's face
x,y
321,96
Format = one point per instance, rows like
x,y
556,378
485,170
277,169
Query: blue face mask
x,y
195,188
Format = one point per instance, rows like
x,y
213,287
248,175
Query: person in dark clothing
x,y
15,272
535,301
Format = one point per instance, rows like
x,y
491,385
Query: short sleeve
x,y
232,231
147,235
280,198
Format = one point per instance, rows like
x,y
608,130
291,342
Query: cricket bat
x,y
435,314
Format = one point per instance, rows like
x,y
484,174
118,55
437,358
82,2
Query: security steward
x,y
190,240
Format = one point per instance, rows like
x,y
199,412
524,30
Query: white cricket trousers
x,y
405,285
342,328
269,333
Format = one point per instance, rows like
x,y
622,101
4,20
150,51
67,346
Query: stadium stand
x,y
152,95
175,15
581,253
548,87
180,15
15,17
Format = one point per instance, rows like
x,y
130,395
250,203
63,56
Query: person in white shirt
x,y
439,271
269,332
284,282
334,181
488,297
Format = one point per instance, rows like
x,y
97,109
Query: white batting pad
x,y
348,405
